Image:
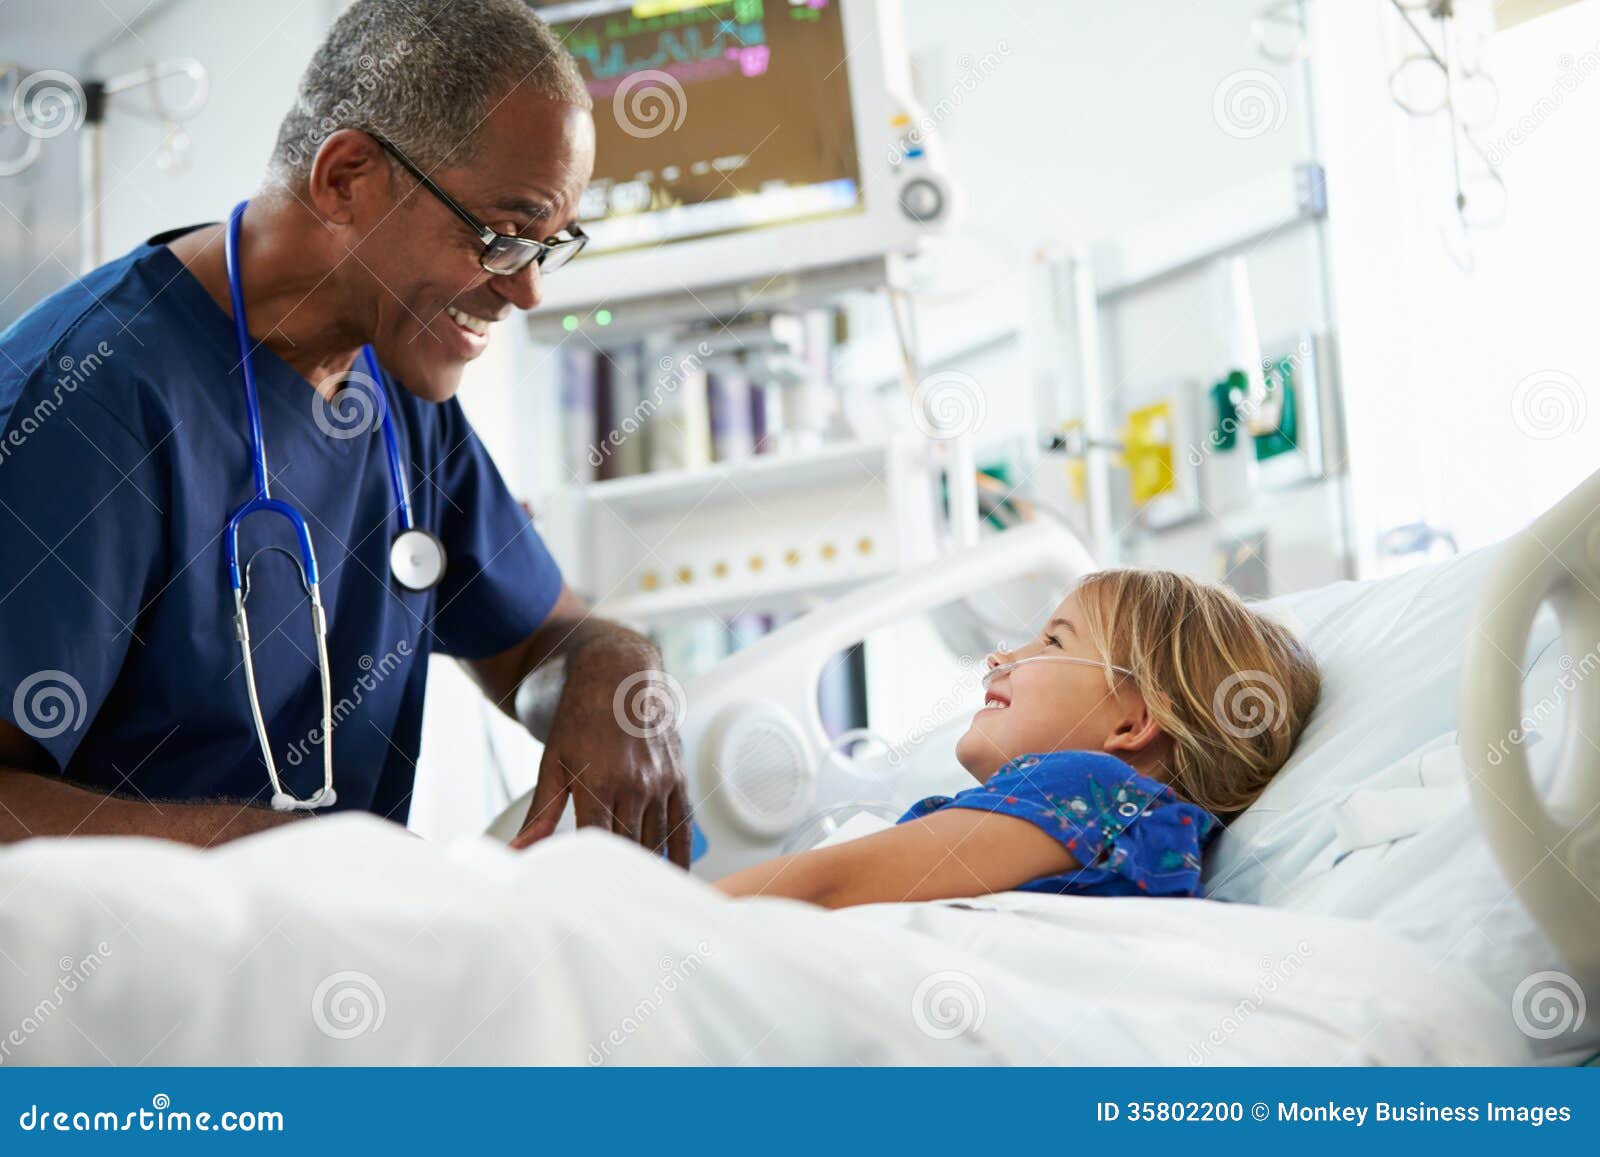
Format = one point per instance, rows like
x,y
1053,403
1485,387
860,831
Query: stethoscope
x,y
416,558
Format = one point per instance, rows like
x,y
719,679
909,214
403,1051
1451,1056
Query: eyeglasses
x,y
503,254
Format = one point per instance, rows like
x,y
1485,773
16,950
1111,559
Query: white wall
x,y
1433,356
1471,398
1094,127
254,54
1097,129
38,240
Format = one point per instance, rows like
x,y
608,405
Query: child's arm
x,y
953,852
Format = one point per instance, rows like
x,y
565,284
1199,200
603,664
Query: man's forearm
x,y
590,636
571,635
614,652
43,805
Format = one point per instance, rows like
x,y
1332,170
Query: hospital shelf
x,y
662,606
765,534
663,490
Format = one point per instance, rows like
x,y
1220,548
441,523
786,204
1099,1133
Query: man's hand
x,y
613,748
612,739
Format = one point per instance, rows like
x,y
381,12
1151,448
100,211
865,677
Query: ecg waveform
x,y
668,49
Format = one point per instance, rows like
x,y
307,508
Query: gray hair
x,y
425,74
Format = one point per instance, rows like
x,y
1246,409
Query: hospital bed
x,y
1418,886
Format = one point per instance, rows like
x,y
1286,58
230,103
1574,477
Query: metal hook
x,y
1283,14
154,74
34,146
1445,58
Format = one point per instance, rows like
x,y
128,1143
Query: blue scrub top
x,y
125,449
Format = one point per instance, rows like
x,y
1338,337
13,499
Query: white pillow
x,y
1371,819
1390,652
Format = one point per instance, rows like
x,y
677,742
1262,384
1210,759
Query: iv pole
x,y
92,97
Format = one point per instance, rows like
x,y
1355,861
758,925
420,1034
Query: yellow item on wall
x,y
1147,452
1077,468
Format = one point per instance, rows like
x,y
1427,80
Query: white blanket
x,y
344,940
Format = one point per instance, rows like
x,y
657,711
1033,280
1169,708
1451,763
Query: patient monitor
x,y
744,150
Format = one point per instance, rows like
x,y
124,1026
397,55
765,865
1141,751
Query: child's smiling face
x,y
1043,707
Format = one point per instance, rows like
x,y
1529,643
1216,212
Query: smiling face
x,y
1044,707
432,306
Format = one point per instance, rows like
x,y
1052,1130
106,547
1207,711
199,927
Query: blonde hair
x,y
1230,686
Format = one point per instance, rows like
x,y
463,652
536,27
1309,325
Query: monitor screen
x,y
711,118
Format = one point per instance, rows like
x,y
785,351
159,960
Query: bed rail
x,y
1549,849
752,730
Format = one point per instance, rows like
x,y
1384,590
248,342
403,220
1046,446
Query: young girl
x,y
1148,706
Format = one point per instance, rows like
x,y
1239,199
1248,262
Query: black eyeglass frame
x,y
515,253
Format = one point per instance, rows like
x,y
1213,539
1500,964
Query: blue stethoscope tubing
x,y
416,558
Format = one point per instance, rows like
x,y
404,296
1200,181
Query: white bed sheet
x,y
343,940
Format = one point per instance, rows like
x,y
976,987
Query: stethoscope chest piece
x,y
416,559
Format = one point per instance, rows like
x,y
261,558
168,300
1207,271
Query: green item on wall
x,y
1283,438
1226,396
1281,401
